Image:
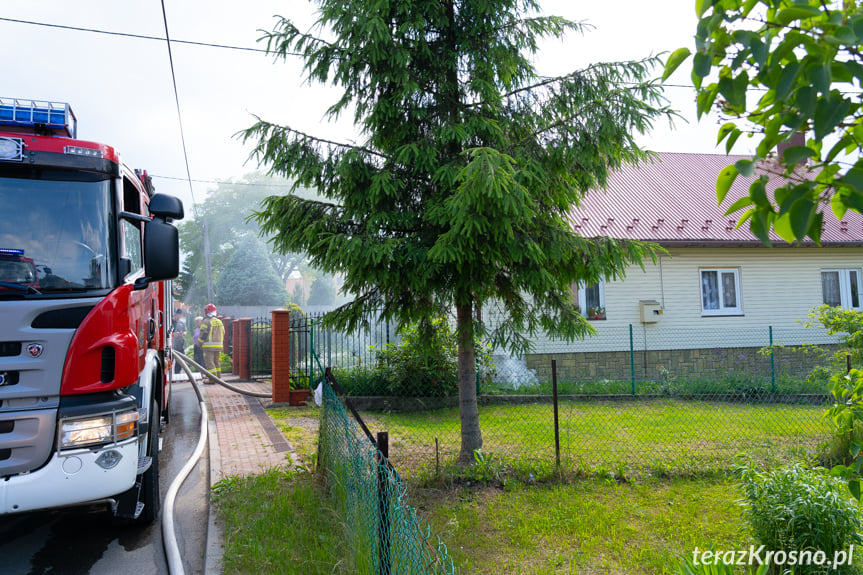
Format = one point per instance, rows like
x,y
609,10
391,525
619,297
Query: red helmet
x,y
210,308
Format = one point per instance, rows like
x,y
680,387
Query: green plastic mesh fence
x,y
633,396
387,537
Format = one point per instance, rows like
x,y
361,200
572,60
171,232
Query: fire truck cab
x,y
86,251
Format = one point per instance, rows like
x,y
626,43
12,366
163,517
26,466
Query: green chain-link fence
x,y
387,537
633,396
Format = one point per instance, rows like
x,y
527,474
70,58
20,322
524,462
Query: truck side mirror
x,y
161,250
166,206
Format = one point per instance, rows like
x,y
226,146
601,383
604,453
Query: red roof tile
x,y
672,200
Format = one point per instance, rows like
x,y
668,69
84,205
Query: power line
x,y
138,36
222,182
177,100
186,158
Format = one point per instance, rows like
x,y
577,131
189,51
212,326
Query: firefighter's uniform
x,y
212,336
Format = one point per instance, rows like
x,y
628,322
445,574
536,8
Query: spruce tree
x,y
459,194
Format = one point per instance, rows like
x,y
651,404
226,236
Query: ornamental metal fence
x,y
386,537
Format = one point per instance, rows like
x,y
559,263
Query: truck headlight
x,y
107,428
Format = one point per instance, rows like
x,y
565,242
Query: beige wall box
x,y
650,309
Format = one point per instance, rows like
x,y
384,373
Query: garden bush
x,y
798,508
423,364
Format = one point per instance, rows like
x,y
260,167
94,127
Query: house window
x,y
841,288
591,300
720,292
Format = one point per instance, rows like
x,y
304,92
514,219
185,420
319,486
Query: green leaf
x,y
782,226
705,98
815,227
838,206
788,15
760,226
847,143
731,140
801,214
701,6
853,200
743,202
724,181
745,167
701,64
854,488
674,61
794,155
854,178
785,81
844,35
734,90
758,192
726,129
819,77
806,98
829,112
856,448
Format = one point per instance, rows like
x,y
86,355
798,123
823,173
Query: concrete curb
x,y
214,545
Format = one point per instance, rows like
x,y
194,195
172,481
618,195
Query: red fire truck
x,y
86,252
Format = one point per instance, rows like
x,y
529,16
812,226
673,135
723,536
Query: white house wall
x,y
778,287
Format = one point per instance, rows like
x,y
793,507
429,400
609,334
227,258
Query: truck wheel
x,y
149,495
146,489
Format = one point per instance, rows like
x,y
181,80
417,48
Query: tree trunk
x,y
471,435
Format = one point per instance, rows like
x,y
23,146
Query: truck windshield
x,y
56,232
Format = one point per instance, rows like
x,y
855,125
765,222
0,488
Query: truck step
x,y
138,509
144,464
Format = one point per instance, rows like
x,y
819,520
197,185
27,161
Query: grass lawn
x,y
590,523
280,522
589,526
670,436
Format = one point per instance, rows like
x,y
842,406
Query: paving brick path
x,y
249,441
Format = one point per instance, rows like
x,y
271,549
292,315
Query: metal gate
x,y
261,348
300,350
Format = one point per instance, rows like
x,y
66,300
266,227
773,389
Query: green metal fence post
x,y
556,421
631,360
772,363
311,352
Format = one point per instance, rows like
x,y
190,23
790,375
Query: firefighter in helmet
x,y
212,336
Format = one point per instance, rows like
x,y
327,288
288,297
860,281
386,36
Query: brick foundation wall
x,y
654,365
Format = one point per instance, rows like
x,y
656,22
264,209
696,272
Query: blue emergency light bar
x,y
11,252
55,116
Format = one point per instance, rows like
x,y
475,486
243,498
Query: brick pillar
x,y
243,348
281,355
236,358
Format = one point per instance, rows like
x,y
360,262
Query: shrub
x,y
800,508
423,364
362,380
225,363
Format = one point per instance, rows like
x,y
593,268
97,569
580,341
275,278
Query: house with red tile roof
x,y
718,287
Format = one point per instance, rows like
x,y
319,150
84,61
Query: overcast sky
x,y
122,93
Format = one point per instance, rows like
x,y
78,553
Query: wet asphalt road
x,y
82,540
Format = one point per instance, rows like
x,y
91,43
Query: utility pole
x,y
207,262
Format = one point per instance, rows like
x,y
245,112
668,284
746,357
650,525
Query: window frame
x,y
723,310
581,293
845,291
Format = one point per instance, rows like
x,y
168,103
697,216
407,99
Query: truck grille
x,y
10,348
26,440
